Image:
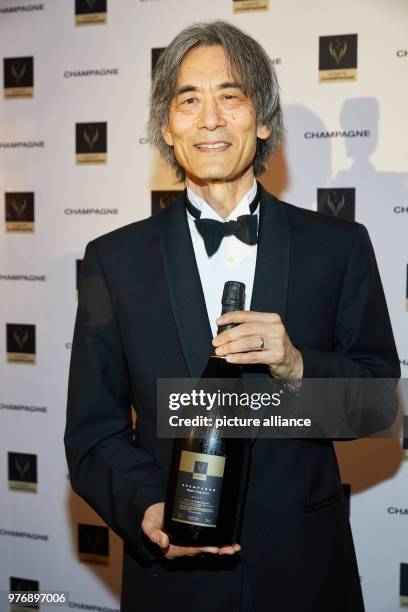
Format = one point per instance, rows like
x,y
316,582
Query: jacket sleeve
x,y
364,344
115,477
363,340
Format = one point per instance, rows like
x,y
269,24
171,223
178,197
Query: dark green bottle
x,y
208,474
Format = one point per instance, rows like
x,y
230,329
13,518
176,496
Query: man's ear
x,y
263,132
168,138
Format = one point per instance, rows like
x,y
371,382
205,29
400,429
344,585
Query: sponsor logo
x,y
90,607
91,143
91,211
24,534
71,74
395,510
22,585
249,5
338,58
23,277
200,470
338,202
20,343
402,53
400,209
404,585
22,8
93,543
161,199
18,77
339,134
22,472
21,144
89,12
19,211
21,407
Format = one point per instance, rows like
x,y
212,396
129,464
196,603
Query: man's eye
x,y
188,101
230,97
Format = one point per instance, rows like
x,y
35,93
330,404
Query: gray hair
x,y
248,63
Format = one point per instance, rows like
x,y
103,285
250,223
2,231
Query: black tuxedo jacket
x,y
141,316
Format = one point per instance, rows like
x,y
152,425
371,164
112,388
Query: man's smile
x,y
211,147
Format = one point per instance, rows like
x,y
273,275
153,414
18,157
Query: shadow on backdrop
x,y
294,174
377,190
301,165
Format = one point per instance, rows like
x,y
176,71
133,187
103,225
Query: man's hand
x,y
152,526
260,338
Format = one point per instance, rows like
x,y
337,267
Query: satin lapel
x,y
270,289
271,272
186,293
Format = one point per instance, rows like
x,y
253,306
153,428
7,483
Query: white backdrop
x,y
340,134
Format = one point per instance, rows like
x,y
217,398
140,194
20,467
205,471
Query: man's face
x,y
212,124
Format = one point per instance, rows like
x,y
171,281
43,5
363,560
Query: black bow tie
x,y
245,228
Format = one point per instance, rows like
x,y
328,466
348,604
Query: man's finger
x,y
157,536
230,550
248,357
243,316
243,330
243,345
246,330
189,551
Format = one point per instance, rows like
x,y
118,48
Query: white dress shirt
x,y
234,260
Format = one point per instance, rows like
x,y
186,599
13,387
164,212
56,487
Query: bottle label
x,y
198,490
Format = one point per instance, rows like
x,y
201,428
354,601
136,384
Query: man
x,y
149,303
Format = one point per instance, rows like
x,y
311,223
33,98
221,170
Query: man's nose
x,y
211,115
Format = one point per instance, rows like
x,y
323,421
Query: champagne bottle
x,y
208,474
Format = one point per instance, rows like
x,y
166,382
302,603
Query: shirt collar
x,y
207,212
